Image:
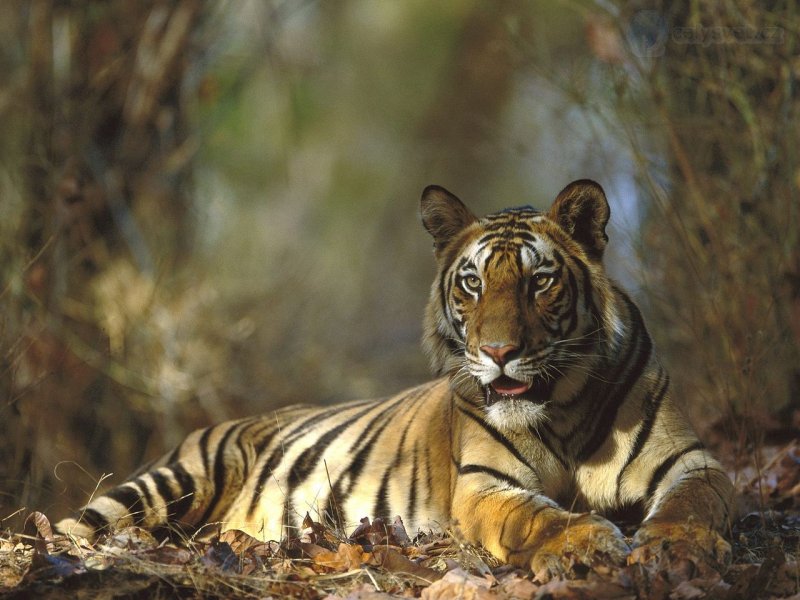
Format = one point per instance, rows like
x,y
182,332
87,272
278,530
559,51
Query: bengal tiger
x,y
552,409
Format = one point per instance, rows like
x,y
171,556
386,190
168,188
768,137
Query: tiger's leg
x,y
691,499
528,529
190,486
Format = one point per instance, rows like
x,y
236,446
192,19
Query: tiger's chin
x,y
514,405
514,414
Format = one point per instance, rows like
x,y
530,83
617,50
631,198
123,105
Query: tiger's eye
x,y
542,281
471,283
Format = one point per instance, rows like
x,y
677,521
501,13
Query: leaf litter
x,y
380,560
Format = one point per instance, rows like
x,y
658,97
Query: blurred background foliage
x,y
209,208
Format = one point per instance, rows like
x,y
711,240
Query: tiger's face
x,y
521,310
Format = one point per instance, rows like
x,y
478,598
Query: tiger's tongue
x,y
509,387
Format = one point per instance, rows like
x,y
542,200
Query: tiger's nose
x,y
500,354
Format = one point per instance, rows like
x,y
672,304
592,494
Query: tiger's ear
x,y
581,209
443,215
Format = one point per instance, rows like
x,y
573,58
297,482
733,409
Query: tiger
x,y
550,409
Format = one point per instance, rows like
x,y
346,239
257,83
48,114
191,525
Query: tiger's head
x,y
521,311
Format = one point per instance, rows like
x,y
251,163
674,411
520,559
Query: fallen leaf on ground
x,y
459,584
253,552
37,526
220,555
394,562
346,557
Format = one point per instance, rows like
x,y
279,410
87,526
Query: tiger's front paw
x,y
587,540
684,540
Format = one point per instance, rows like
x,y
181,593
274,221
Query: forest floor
x,y
378,561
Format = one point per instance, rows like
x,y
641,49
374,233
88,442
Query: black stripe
x,y
358,462
552,435
445,289
618,393
187,488
130,499
572,311
559,258
94,519
280,450
331,507
411,511
141,485
309,458
469,469
244,443
665,466
317,417
220,475
496,249
381,509
374,429
454,347
382,498
428,474
588,299
164,488
651,406
506,235
499,437
204,453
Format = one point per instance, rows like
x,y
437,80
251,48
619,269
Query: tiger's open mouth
x,y
505,388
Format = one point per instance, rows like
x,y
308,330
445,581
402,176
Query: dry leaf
x,y
399,532
364,529
312,532
364,592
242,542
393,561
220,555
346,558
313,550
516,586
459,584
37,525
